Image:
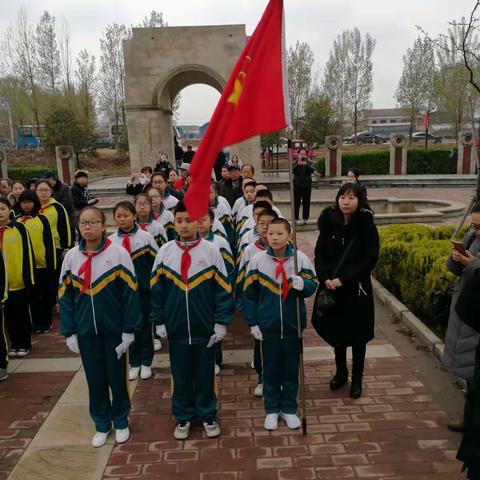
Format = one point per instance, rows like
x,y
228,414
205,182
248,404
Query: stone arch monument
x,y
159,63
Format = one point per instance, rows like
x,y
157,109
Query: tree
x,y
86,83
319,120
416,86
112,74
300,62
66,56
155,19
48,54
19,59
348,75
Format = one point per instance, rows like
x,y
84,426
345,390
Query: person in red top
x,y
182,182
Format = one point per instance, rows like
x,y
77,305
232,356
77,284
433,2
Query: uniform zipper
x,y
188,317
281,313
361,290
93,309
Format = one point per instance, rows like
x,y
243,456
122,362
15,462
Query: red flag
x,y
426,120
253,102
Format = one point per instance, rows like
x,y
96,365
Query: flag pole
x,y
295,263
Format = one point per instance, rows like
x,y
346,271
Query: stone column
x,y
333,156
3,162
249,152
466,156
65,157
398,154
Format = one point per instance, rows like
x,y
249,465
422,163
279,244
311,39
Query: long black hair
x,y
29,196
357,190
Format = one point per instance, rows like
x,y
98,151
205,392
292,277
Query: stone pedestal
x,y
466,155
333,156
65,157
398,154
3,162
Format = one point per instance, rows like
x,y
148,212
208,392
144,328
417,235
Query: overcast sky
x,y
317,22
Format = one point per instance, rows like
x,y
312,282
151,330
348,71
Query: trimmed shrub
x,y
422,161
376,162
26,173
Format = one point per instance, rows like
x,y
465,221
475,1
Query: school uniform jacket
x,y
189,311
262,294
143,250
58,219
40,233
18,254
156,230
225,204
238,206
247,221
222,213
249,252
248,238
110,305
3,283
169,201
219,229
165,217
226,253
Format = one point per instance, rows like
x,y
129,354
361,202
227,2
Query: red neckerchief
x,y
126,242
186,259
259,245
86,266
42,209
280,270
2,232
143,226
23,219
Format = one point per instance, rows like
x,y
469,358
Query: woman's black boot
x,y
358,354
356,387
341,375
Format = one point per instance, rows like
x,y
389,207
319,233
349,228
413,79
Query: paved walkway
x,y
396,431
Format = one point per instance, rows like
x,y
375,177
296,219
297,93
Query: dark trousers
x,y
18,320
3,342
56,276
141,350
280,374
105,373
41,305
193,372
358,359
219,354
301,195
257,359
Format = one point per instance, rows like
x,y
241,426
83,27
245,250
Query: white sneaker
x,y
291,420
258,392
271,421
23,352
122,435
145,372
182,430
133,373
212,429
217,369
99,439
157,344
252,365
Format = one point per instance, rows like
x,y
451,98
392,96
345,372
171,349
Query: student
x,y
99,311
17,189
247,222
145,220
59,222
271,291
222,213
248,187
142,249
139,182
190,279
40,234
161,214
20,264
159,181
3,336
205,231
264,217
251,236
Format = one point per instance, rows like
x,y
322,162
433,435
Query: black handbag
x,y
325,299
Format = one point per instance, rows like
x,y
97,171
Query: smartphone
x,y
458,246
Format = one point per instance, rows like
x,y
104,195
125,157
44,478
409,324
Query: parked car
x,y
103,143
366,137
420,137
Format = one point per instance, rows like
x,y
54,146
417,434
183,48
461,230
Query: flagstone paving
x,y
395,431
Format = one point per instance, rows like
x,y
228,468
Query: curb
x,y
413,323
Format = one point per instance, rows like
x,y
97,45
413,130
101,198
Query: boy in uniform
x,y
192,305
271,291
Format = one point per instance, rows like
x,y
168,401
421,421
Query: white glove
x,y
218,336
127,340
161,331
297,282
256,333
72,343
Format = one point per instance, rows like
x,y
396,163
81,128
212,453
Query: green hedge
x,y
420,161
411,264
26,173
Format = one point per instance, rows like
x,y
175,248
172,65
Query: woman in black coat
x,y
350,322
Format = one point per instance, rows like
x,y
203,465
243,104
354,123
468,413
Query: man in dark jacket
x,y
231,189
188,155
61,193
80,193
